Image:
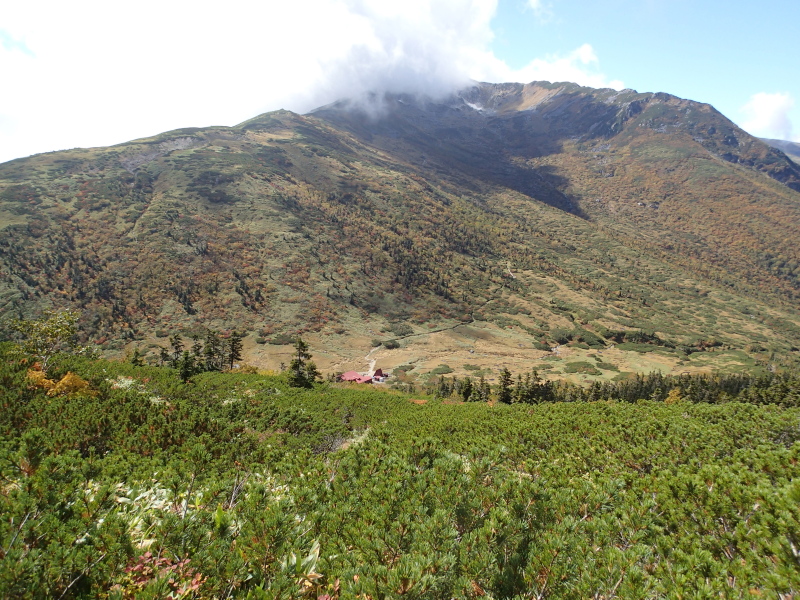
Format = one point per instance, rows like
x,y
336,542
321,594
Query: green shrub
x,y
560,335
240,486
401,329
281,339
583,367
604,366
587,337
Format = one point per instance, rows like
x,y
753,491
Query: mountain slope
x,y
605,155
504,216
792,149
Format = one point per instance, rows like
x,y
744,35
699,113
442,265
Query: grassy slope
x,y
289,223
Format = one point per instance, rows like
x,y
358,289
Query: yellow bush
x,y
69,384
674,396
39,379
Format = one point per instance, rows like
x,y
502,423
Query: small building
x,y
379,376
355,377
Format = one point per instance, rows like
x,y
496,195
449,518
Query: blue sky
x,y
92,72
720,52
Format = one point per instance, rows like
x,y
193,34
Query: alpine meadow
x,y
521,341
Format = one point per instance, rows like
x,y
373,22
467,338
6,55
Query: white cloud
x,y
93,72
419,46
10,44
579,66
767,115
541,10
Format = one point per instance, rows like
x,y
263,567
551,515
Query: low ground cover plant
x,y
138,485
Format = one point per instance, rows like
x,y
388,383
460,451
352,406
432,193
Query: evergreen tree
x,y
213,353
483,391
442,388
177,347
302,372
234,348
466,389
538,390
187,366
505,388
197,347
519,389
136,359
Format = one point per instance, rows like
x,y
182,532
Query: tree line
x,y
769,388
210,353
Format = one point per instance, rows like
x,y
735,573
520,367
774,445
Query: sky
x,y
83,73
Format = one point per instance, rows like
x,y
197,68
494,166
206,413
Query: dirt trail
x,y
372,361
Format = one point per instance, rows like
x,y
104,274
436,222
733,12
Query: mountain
x,y
479,229
792,149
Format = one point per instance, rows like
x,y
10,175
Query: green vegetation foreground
x,y
129,483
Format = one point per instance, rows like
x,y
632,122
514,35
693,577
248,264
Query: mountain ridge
x,y
791,149
589,210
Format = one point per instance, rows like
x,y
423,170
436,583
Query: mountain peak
x,y
503,219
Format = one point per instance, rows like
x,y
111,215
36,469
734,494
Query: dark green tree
x,y
187,366
466,388
505,388
482,391
177,347
519,389
234,348
302,371
443,388
197,347
213,352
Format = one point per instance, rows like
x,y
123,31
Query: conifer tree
x,y
466,389
177,347
442,388
505,391
197,347
234,347
520,389
302,372
136,359
187,366
483,391
213,352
